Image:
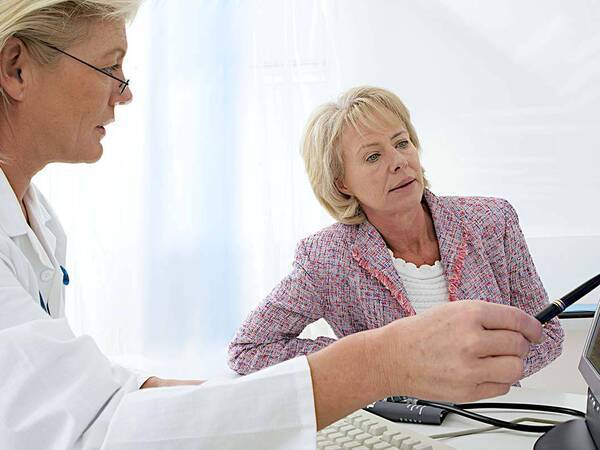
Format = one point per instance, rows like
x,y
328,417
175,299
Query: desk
x,y
503,439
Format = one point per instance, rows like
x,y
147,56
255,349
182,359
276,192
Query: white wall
x,y
202,180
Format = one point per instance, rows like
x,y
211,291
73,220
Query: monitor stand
x,y
574,434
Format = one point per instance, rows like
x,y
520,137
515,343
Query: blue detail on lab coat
x,y
44,305
66,280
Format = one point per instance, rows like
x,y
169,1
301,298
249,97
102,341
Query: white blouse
x,y
426,285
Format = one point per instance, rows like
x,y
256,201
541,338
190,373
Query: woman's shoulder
x,y
479,210
329,242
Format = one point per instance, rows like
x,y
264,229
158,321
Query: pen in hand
x,y
558,306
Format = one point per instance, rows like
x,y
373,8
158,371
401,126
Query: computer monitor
x,y
581,434
589,366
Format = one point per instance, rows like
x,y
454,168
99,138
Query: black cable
x,y
462,410
524,406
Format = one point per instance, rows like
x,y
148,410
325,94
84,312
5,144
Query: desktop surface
x,y
503,439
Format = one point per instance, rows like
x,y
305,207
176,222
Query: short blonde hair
x,y
55,22
321,147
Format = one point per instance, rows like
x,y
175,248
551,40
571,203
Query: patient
x,y
396,249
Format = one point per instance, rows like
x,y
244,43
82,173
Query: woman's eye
x,y
372,158
402,144
111,69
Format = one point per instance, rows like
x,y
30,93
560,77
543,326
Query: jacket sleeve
x,y
269,334
528,293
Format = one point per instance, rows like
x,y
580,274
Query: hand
x,y
154,382
462,351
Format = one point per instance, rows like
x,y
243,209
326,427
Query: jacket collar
x,y
452,239
371,252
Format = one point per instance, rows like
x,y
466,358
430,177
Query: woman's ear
x,y
14,65
339,184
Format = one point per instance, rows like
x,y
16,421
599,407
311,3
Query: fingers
x,y
504,317
487,390
501,369
501,343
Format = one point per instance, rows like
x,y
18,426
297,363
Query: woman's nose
x,y
398,162
123,99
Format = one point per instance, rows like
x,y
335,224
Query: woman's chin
x,y
93,155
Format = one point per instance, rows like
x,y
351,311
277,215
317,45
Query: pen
x,y
558,306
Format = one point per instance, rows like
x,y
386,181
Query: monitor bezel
x,y
590,374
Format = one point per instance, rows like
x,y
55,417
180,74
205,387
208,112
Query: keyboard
x,y
362,430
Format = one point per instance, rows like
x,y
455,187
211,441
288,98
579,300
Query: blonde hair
x,y
55,22
321,147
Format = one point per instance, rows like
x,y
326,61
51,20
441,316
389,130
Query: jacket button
x,y
47,275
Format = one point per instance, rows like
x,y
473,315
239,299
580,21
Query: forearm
x,y
347,376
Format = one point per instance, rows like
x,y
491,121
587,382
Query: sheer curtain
x,y
192,215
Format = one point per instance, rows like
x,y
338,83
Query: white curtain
x,y
193,214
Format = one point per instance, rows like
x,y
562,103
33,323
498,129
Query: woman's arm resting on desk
x,y
270,333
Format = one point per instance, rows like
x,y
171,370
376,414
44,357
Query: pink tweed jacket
x,y
345,274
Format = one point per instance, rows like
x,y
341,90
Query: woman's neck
x,y
410,234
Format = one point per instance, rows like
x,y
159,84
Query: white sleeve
x,y
53,386
267,410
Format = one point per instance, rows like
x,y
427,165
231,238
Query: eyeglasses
x,y
123,84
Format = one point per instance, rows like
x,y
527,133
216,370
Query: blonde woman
x,y
396,250
61,79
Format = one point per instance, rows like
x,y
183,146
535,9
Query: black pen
x,y
558,306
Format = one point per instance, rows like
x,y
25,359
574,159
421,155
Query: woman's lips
x,y
101,130
402,186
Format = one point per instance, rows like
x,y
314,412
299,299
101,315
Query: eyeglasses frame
x,y
124,84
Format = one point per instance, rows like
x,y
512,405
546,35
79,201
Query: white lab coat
x,y
58,391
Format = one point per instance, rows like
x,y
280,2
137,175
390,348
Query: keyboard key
x,y
360,420
343,440
377,429
423,447
369,443
409,444
353,433
362,437
399,439
366,425
381,446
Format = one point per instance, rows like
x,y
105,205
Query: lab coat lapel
x,y
40,219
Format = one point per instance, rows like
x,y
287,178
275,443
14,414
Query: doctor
x,y
61,78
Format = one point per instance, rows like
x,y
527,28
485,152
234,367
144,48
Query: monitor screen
x,y
589,365
593,349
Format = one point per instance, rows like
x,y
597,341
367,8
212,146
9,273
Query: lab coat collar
x,y
14,224
12,220
39,218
